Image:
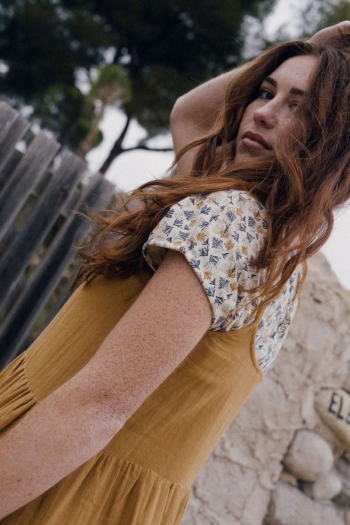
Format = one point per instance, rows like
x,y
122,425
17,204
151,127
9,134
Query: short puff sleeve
x,y
219,234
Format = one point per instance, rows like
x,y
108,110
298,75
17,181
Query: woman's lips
x,y
253,140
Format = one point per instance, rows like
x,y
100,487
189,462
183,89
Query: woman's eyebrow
x,y
297,91
271,81
293,90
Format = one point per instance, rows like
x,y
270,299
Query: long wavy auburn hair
x,y
299,184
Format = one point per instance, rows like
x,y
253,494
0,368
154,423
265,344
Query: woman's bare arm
x,y
77,420
195,112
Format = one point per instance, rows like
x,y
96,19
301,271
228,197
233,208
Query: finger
x,y
344,28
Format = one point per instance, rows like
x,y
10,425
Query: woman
x,y
128,390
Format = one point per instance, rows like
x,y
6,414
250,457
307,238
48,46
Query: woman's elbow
x,y
93,398
110,416
178,113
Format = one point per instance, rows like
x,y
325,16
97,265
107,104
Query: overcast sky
x,y
132,169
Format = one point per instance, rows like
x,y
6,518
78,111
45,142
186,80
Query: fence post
x,y
43,217
13,127
17,189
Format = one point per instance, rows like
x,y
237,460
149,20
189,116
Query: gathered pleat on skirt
x,y
16,398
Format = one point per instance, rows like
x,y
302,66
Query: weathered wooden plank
x,y
12,129
71,203
41,220
7,116
46,279
10,166
11,300
32,166
66,292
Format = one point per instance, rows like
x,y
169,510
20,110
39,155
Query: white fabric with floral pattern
x,y
219,234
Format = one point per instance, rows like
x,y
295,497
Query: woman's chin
x,y
251,154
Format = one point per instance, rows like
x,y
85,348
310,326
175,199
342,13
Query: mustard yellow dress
x,y
143,476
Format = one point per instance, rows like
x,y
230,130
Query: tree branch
x,y
147,148
117,148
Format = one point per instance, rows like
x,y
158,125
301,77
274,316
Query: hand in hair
x,y
336,35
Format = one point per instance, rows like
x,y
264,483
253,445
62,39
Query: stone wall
x,y
284,460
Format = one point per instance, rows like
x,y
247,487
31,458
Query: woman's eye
x,y
265,94
293,105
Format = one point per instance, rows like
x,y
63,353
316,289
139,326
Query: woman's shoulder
x,y
239,199
220,234
235,211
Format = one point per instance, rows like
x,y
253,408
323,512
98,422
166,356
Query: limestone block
x,y
326,487
309,456
290,506
219,498
333,407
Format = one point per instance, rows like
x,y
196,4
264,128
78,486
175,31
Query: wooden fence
x,y
38,229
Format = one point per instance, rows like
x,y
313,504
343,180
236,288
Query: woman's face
x,y
265,119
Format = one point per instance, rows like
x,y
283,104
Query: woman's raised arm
x,y
195,112
79,419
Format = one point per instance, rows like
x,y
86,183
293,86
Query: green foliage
x,y
168,47
59,105
111,84
43,43
161,49
81,129
157,90
98,139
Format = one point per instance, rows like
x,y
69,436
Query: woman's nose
x,y
265,115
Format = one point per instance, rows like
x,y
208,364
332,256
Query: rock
x,y
346,385
326,487
342,466
309,456
347,517
289,506
333,407
287,477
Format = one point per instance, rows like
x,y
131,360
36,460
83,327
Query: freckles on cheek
x,y
284,130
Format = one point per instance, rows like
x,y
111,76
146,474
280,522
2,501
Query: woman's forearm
x,y
56,437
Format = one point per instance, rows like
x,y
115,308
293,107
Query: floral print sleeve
x,y
220,234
